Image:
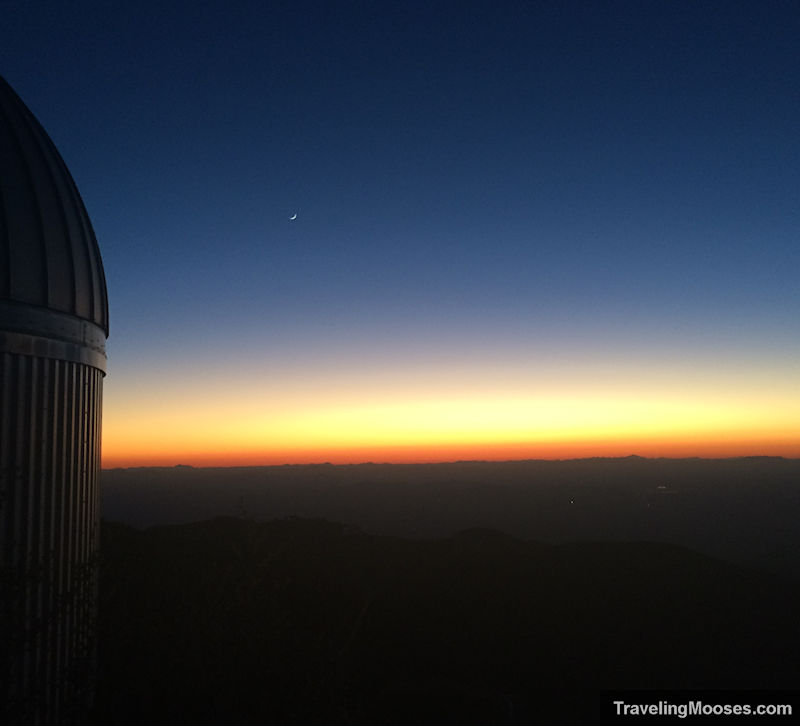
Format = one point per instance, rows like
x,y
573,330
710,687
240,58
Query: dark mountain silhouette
x,y
743,510
308,621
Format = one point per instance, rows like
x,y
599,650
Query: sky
x,y
524,229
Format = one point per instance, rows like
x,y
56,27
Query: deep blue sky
x,y
597,178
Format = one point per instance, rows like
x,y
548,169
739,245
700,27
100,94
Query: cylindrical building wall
x,y
50,447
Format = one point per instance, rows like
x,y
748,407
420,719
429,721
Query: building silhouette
x,y
53,327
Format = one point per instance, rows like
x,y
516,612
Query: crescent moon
x,y
294,216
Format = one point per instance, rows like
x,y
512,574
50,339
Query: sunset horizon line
x,y
445,462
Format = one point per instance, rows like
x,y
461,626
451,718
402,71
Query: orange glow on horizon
x,y
400,416
677,448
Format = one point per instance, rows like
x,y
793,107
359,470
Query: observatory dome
x,y
52,283
53,328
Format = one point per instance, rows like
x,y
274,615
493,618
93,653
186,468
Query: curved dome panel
x,y
49,256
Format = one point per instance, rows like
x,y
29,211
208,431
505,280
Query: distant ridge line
x,y
630,458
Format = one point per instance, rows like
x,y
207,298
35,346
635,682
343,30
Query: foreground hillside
x,y
299,621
